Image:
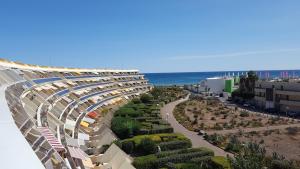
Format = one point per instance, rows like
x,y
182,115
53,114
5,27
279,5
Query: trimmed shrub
x,y
146,162
181,151
171,166
125,127
157,138
172,145
146,98
147,146
179,158
188,166
136,101
157,131
128,146
128,111
201,160
219,162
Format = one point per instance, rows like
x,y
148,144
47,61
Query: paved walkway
x,y
197,141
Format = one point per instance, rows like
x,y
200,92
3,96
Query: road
x,y
197,141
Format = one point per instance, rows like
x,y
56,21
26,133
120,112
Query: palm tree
x,y
247,85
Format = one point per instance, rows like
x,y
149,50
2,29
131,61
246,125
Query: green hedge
x,y
128,146
157,131
181,151
146,144
128,112
125,127
180,158
177,144
219,162
202,160
163,137
146,162
188,166
161,159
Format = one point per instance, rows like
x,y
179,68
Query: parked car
x,y
246,105
201,133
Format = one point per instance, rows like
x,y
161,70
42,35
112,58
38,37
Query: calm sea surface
x,y
195,77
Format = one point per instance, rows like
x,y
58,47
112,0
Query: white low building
x,y
215,85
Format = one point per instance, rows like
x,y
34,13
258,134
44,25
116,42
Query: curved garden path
x,y
197,141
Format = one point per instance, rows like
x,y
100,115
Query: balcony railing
x,y
290,102
288,92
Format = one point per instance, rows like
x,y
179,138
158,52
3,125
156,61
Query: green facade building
x,y
229,84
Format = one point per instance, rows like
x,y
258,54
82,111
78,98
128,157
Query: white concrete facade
x,y
35,96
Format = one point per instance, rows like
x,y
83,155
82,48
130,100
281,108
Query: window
x,y
269,94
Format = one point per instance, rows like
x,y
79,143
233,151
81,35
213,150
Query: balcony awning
x,y
83,136
89,120
38,89
54,142
72,142
92,114
88,163
84,124
77,153
71,82
70,124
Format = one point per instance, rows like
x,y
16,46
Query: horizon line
x,y
257,70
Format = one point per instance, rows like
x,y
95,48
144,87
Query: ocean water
x,y
163,79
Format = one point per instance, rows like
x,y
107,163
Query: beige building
x,y
54,117
281,96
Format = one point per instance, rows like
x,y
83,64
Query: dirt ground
x,y
280,141
212,115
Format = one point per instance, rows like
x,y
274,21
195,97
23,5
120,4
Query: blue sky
x,y
153,35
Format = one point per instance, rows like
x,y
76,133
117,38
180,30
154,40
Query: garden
x,y
210,114
151,141
285,141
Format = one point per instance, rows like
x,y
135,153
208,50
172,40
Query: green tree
x,y
247,85
146,98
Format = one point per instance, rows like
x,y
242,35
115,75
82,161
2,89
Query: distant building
x,y
281,96
214,86
229,85
193,88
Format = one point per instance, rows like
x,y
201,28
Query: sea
x,y
182,78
